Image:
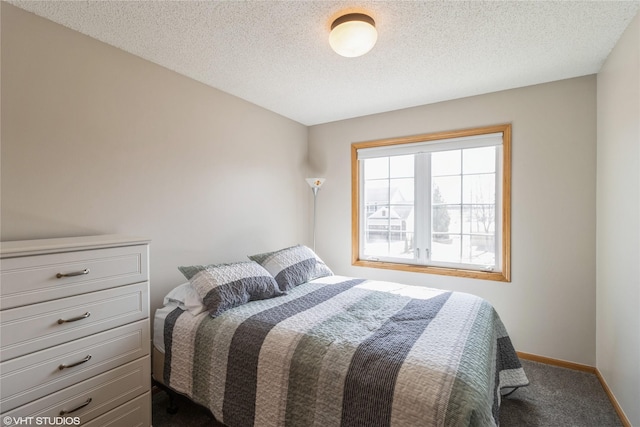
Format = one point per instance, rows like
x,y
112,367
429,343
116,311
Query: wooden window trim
x,y
502,276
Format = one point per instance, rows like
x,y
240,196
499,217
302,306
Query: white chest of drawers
x,y
74,331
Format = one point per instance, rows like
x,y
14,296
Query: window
x,y
436,203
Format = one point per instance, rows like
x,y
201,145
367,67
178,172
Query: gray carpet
x,y
556,397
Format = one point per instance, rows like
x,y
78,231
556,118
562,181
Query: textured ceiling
x,y
276,53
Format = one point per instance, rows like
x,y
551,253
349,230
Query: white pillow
x,y
186,298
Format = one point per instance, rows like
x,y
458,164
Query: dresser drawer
x,y
28,329
36,375
93,397
136,413
32,279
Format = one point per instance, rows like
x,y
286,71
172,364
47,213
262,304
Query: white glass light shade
x,y
353,35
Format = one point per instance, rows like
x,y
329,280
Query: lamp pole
x,y
315,184
315,194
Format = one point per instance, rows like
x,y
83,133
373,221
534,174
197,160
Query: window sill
x,y
470,274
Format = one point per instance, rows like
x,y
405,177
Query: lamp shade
x,y
353,35
315,182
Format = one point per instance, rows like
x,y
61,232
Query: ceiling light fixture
x,y
353,34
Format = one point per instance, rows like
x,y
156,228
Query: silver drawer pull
x,y
86,359
75,273
65,412
74,319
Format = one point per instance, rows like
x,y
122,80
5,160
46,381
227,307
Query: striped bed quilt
x,y
340,351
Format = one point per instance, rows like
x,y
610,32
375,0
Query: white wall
x,y
618,225
549,307
95,141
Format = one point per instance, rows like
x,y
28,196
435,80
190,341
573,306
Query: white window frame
x,y
426,144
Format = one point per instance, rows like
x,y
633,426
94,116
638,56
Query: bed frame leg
x,y
172,407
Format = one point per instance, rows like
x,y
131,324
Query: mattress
x,y
158,326
344,351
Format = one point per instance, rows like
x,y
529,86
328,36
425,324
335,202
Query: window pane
x,y
445,219
465,255
463,206
469,238
389,207
389,232
440,220
479,160
446,248
401,166
483,250
479,219
377,225
463,248
446,189
483,219
446,163
402,191
376,168
479,188
376,194
466,219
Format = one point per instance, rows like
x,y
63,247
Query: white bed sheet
x,y
158,325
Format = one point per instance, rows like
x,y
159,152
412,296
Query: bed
x,y
335,350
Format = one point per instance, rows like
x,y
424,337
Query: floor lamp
x,y
315,184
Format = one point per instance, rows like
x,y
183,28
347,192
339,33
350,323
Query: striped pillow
x,y
224,286
293,266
